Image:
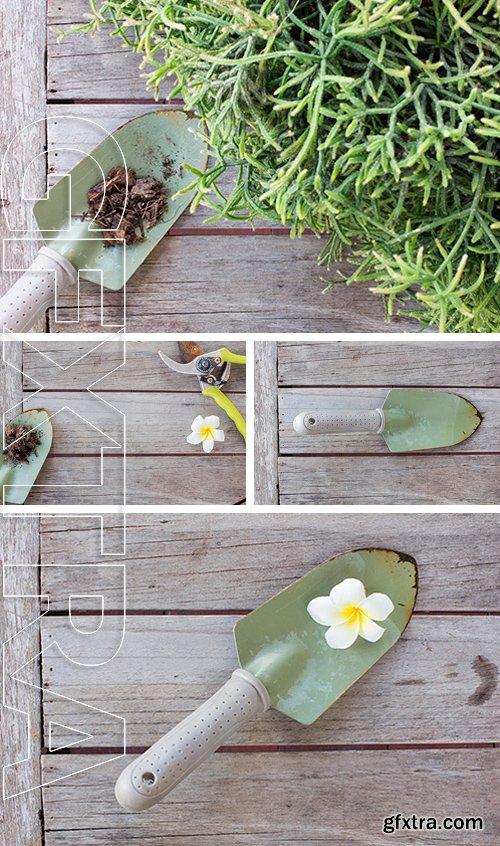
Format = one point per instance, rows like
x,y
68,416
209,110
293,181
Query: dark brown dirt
x,y
21,442
125,206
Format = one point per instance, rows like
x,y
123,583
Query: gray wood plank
x,y
20,815
156,423
142,371
22,104
266,429
294,400
151,480
472,363
420,692
285,800
235,282
81,67
396,479
260,554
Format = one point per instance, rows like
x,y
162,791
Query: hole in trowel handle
x,y
148,779
311,421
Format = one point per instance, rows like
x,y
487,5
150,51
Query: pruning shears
x,y
213,370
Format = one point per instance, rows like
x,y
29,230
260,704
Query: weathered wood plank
x,y
260,799
157,423
77,122
22,105
260,554
396,479
80,67
265,283
151,480
142,371
420,692
294,400
20,816
266,441
343,363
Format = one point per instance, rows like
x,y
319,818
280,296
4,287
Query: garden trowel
x,y
153,145
407,420
18,474
285,663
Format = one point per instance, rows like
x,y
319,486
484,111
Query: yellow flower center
x,y
353,613
207,431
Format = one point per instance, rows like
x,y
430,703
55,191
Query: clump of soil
x,y
21,443
130,215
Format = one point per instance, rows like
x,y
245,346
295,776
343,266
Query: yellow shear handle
x,y
227,355
227,406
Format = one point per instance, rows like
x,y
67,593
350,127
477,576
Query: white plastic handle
x,y
149,778
35,291
337,422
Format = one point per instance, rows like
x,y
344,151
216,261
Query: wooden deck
x,y
417,734
159,406
346,469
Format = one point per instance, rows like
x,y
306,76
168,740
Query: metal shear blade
x,y
209,368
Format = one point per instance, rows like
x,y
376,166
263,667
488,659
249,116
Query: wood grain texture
x,y
22,105
396,479
421,689
238,282
20,816
157,423
292,401
471,363
175,561
143,369
262,799
151,480
81,67
266,429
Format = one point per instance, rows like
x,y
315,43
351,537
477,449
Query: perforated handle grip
x,y
35,291
337,422
149,778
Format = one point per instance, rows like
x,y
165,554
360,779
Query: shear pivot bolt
x,y
204,364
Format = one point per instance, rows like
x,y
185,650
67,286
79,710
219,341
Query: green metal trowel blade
x,y
282,645
156,144
427,420
18,479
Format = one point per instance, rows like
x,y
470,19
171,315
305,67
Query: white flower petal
x,y
197,423
348,592
218,434
194,438
341,637
322,611
208,444
377,606
369,630
212,421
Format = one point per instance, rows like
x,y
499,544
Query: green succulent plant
x,y
375,123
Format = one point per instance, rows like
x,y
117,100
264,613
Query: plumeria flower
x,y
205,430
349,612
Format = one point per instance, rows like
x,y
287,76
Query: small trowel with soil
x,y
108,213
289,660
407,420
26,444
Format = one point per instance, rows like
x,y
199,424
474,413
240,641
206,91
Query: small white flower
x,y
349,612
204,430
